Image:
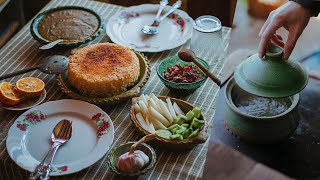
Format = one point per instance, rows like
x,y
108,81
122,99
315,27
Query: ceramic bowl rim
x,y
227,95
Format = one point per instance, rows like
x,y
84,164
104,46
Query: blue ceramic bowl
x,y
179,88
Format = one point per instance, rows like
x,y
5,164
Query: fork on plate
x,y
60,135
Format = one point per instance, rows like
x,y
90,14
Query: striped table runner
x,y
22,51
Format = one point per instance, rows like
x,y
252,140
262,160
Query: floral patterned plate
x,y
124,28
29,138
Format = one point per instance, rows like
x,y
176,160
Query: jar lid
x,y
271,76
207,24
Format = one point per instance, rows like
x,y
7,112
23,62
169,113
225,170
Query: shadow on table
x,y
299,156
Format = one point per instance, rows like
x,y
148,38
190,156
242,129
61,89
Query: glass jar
x,y
206,40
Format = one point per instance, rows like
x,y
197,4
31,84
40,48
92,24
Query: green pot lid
x,y
271,76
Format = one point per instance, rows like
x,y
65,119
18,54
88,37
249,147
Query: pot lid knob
x,y
271,76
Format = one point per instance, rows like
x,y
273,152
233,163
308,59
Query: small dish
x,y
68,89
37,36
123,148
27,104
174,144
179,88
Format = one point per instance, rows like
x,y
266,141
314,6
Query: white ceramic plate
x,y
29,137
26,104
124,28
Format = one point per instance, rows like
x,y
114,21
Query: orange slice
x,y
30,86
9,94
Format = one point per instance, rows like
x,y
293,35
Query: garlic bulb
x,y
132,162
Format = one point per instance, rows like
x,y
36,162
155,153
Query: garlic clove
x,y
144,157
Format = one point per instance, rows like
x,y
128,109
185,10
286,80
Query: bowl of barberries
x,y
181,77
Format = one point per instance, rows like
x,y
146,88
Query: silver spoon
x,y
51,45
61,134
51,65
163,4
153,28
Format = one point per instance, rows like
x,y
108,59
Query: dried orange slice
x,y
30,86
9,94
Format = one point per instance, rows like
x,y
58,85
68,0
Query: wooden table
x,y
22,51
224,162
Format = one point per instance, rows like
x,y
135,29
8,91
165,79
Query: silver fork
x,y
60,135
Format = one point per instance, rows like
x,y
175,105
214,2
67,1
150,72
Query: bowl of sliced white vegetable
x,y
177,123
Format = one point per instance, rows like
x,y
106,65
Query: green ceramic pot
x,y
118,151
179,88
38,37
260,130
271,76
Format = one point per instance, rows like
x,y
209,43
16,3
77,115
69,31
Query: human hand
x,y
293,17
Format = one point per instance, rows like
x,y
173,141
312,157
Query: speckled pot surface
x,y
259,130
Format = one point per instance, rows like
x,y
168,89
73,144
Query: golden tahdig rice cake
x,y
103,70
